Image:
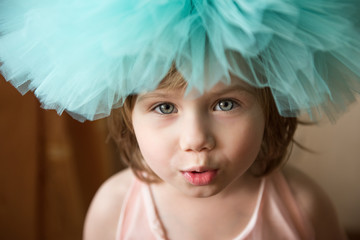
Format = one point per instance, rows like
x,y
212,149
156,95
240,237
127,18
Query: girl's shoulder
x,y
315,204
103,214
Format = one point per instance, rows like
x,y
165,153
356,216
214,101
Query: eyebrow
x,y
234,88
154,95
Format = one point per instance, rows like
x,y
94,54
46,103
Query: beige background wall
x,y
336,163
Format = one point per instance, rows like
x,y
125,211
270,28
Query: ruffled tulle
x,y
86,56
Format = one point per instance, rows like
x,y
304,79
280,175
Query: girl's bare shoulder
x,y
315,204
104,211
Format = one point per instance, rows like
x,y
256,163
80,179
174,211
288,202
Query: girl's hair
x,y
278,133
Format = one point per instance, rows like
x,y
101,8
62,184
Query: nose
x,y
196,134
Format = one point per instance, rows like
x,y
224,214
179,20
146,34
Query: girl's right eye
x,y
165,108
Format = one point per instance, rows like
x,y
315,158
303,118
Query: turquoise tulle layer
x,y
86,56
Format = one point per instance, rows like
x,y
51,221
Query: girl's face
x,y
199,145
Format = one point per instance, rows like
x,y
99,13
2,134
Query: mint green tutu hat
x,y
86,56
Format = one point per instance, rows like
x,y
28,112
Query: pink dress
x,y
276,215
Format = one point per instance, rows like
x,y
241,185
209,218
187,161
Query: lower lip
x,y
200,178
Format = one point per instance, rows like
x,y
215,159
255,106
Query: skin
x,y
222,130
199,133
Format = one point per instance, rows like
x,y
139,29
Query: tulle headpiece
x,y
87,56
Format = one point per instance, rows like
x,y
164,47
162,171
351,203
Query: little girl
x,y
207,168
206,97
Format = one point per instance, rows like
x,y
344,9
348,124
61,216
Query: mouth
x,y
199,176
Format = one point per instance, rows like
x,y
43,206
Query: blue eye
x,y
165,108
225,105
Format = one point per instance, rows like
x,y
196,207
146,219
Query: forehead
x,y
179,87
235,84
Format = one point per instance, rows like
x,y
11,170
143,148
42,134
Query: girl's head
x,y
157,111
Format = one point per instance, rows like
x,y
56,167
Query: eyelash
x,y
157,108
234,103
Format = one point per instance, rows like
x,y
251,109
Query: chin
x,y
201,191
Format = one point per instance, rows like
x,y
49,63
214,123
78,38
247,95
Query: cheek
x,y
244,141
155,151
145,139
151,143
247,144
252,141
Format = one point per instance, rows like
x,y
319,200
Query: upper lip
x,y
199,169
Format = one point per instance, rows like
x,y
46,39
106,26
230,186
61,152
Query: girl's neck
x,y
182,214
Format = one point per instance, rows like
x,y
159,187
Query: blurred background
x,y
334,163
51,166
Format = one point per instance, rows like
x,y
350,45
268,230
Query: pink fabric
x,y
276,215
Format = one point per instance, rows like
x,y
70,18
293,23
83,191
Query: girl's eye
x,y
225,105
165,108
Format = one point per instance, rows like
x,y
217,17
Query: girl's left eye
x,y
225,105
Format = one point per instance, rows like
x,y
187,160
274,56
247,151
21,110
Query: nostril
x,y
198,145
